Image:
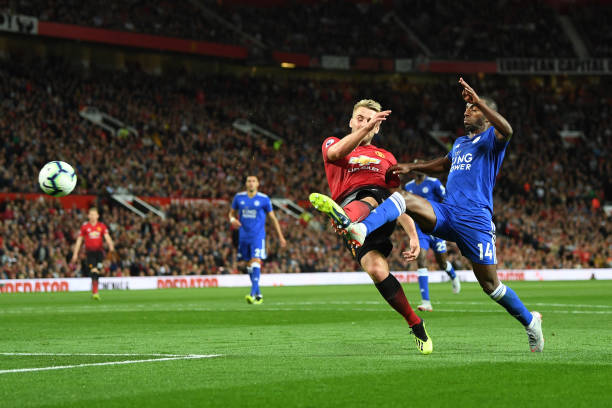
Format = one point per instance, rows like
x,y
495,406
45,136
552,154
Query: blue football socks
x,y
511,302
423,283
389,210
254,273
450,271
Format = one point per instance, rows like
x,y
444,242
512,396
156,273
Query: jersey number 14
x,y
488,253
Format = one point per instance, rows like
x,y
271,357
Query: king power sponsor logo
x,y
462,162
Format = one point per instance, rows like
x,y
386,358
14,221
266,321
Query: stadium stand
x,y
548,202
488,30
550,198
180,19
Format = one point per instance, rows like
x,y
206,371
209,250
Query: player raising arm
x,y
355,170
466,215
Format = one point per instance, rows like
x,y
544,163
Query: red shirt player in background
x,y
92,233
356,171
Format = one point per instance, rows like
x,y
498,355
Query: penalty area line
x,y
106,363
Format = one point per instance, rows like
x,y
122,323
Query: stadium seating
x,y
488,30
548,197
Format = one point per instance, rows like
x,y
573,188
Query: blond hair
x,y
368,103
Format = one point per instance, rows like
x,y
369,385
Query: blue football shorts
x,y
472,229
251,248
427,241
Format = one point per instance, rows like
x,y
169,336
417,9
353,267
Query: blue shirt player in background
x,y
248,212
431,189
466,215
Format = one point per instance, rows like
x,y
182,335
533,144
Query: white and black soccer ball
x,y
57,178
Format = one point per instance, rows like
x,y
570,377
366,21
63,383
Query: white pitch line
x,y
96,354
151,360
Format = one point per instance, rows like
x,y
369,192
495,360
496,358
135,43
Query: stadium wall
x,y
281,279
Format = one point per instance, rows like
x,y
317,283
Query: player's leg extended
x,y
391,290
445,265
506,297
416,207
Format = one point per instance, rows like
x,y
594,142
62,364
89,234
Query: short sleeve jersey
x,y
364,166
475,163
431,189
92,235
252,213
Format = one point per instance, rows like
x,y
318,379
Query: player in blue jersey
x,y
466,215
248,212
431,189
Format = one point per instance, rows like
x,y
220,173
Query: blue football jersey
x,y
252,213
475,164
431,189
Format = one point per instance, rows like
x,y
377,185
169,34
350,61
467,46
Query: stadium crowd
x,y
549,196
488,30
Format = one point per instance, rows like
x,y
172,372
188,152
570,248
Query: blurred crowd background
x,y
549,197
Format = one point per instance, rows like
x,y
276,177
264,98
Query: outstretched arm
x,y
503,130
277,227
349,142
414,248
439,165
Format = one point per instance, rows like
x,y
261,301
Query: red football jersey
x,y
92,235
364,166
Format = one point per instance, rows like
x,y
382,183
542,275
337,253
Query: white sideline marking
x,y
150,360
97,354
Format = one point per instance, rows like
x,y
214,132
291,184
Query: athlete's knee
x,y
376,266
487,277
411,200
487,287
489,284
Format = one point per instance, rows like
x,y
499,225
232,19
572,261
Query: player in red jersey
x,y
92,233
355,170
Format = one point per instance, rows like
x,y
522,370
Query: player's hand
x,y
282,241
235,223
378,118
400,168
469,95
412,252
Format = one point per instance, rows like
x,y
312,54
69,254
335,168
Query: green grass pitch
x,y
304,347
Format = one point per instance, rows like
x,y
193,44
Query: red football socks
x,y
392,291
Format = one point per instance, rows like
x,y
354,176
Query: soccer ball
x,y
57,178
